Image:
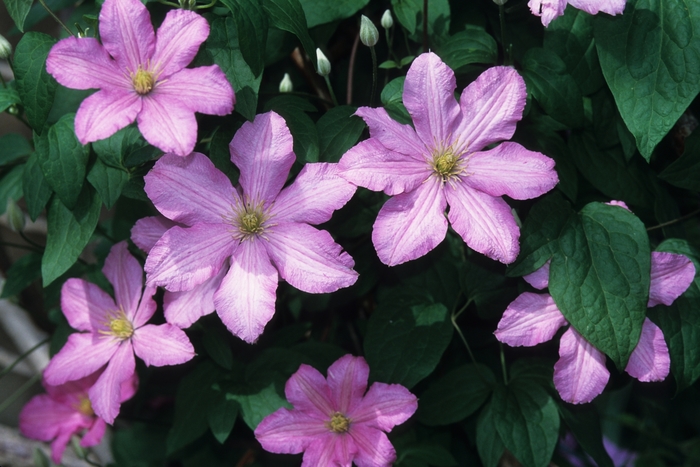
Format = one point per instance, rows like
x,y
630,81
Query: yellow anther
x,y
339,423
143,81
85,407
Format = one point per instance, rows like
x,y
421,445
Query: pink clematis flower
x,y
580,373
113,332
443,162
263,229
333,421
180,308
551,9
142,76
65,410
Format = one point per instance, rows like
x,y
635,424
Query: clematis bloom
x,y
141,76
548,10
113,330
65,410
333,421
580,373
262,229
443,161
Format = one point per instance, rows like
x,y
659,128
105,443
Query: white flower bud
x,y
324,66
286,84
387,20
15,216
5,48
368,32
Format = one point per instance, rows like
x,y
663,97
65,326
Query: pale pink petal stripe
x,y
484,222
184,308
190,189
612,7
580,373
289,431
373,447
147,307
410,225
148,230
331,450
347,382
385,406
309,259
246,297
307,390
203,89
262,151
126,275
650,360
393,135
85,305
371,165
314,195
177,41
167,125
671,275
184,258
105,395
428,94
104,113
529,320
510,169
127,33
83,354
540,278
491,107
82,63
162,345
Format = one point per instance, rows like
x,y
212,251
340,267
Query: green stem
x,y
665,224
503,364
56,17
174,5
209,5
17,245
374,76
330,90
18,393
453,318
502,17
31,242
22,357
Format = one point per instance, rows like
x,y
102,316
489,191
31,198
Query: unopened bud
x,y
324,66
368,32
387,20
5,48
15,216
286,84
188,4
500,2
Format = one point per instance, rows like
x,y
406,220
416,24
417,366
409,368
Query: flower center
x,y
446,164
119,326
339,423
250,219
143,81
85,407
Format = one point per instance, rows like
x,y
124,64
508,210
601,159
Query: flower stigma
x,y
119,326
143,81
338,423
446,164
250,220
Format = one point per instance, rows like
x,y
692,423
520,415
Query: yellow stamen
x,y
85,407
250,220
119,326
338,423
447,163
143,81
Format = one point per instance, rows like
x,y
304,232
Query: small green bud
x,y
5,48
368,32
15,216
387,20
500,2
286,84
324,66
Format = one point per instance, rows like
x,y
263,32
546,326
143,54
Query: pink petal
x,y
373,447
104,113
309,393
371,165
71,392
316,193
620,204
85,305
245,300
83,354
184,308
289,431
82,63
540,278
547,9
94,434
510,169
127,33
162,345
129,388
530,320
484,222
190,189
185,258
410,225
42,418
147,307
650,360
58,446
347,382
612,7
580,373
148,230
203,89
330,449
167,124
178,40
385,406
309,259
428,94
671,275
105,394
491,107
262,151
126,275
394,136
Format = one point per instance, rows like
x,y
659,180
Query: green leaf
x,y
425,454
406,337
36,189
140,445
218,349
527,421
22,274
651,64
11,186
255,407
293,109
600,278
338,130
251,22
14,147
456,395
223,48
548,81
473,45
585,426
488,442
685,171
222,416
63,160
108,181
35,86
388,64
68,233
125,148
322,11
18,10
288,15
410,14
392,98
8,96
